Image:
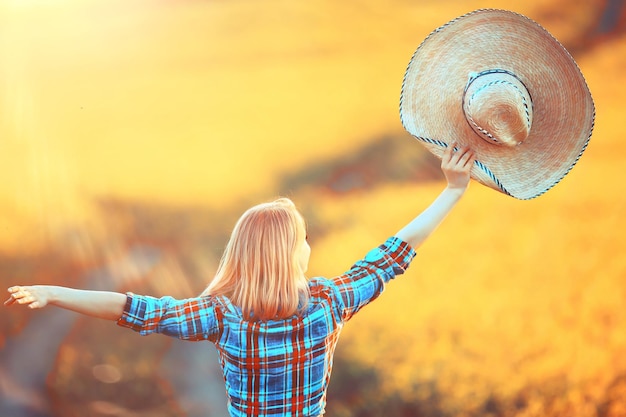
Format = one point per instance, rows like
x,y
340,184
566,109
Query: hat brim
x,y
563,109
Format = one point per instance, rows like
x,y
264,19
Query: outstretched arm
x,y
456,167
101,304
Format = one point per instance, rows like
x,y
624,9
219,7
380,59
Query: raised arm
x,y
456,167
101,304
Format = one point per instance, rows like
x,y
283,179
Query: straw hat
x,y
497,81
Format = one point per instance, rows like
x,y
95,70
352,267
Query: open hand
x,y
33,296
456,165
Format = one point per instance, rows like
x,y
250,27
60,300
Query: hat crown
x,y
498,107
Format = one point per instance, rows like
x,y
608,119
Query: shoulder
x,y
320,285
323,291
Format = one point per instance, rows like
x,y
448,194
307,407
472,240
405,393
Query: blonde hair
x,y
260,270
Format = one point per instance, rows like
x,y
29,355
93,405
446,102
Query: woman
x,y
275,331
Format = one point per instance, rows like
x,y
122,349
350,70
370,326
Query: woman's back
x,y
279,367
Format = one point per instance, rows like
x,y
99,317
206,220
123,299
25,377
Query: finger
x,y
458,155
10,301
447,154
19,294
23,297
452,153
471,160
26,299
465,157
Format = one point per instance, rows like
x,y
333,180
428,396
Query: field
x,y
133,134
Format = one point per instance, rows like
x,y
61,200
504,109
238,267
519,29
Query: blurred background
x,y
133,134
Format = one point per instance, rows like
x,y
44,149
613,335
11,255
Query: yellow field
x,y
172,110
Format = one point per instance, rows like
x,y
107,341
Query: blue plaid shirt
x,y
276,367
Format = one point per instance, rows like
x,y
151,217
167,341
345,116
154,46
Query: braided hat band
x,y
500,83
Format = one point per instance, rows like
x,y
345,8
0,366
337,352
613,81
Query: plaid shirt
x,y
276,367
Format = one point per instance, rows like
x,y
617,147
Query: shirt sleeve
x,y
191,319
366,280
